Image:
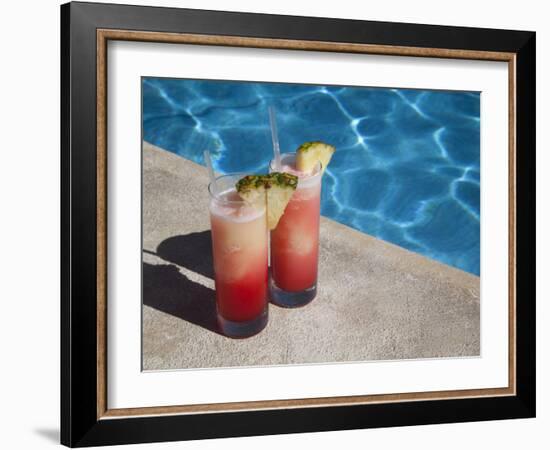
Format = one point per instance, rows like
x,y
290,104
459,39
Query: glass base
x,y
288,299
238,330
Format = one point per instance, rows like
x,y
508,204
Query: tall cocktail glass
x,y
240,251
295,240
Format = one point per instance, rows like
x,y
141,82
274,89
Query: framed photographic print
x,y
277,224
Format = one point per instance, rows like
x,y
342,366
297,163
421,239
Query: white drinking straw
x,y
275,138
211,174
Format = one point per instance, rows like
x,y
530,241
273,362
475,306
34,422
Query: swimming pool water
x,y
406,166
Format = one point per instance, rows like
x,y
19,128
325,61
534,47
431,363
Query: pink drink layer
x,y
295,241
239,242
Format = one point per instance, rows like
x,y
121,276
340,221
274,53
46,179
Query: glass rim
x,y
217,195
318,167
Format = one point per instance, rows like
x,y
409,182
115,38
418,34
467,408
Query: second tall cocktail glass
x,y
295,241
239,244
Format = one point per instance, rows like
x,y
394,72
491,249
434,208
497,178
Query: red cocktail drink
x,y
295,241
239,244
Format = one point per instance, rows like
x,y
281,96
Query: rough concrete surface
x,y
376,300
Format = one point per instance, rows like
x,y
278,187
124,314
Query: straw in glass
x,y
275,138
211,174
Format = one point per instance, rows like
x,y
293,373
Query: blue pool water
x,y
406,167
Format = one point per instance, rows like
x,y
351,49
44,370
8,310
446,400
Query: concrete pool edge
x,y
171,162
404,287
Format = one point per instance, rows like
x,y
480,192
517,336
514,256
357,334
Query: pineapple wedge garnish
x,y
274,190
251,188
279,188
310,153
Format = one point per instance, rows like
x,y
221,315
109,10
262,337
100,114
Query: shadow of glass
x,y
192,251
50,434
166,289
